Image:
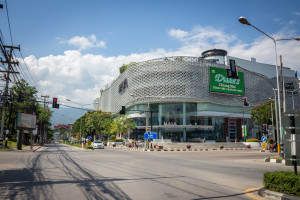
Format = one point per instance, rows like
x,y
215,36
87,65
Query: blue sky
x,y
137,26
74,48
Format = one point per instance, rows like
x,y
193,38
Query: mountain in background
x,y
65,115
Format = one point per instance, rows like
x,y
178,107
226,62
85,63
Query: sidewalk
x,y
27,148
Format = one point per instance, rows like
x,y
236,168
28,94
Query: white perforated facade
x,y
176,89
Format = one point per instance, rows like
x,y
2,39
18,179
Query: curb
x,y
274,160
276,195
181,149
36,149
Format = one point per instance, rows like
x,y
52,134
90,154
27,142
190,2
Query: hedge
x,y
283,181
116,140
88,147
252,140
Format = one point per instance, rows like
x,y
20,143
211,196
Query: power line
x,y
8,23
37,86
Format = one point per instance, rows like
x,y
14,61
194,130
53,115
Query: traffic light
x,y
54,103
234,73
122,111
246,103
264,129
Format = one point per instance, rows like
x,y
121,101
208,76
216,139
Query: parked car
x,y
98,145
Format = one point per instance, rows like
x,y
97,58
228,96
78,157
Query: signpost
x,y
264,139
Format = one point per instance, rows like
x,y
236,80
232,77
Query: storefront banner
x,y
220,83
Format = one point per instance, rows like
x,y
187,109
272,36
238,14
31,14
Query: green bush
x,y
252,140
115,140
113,137
270,141
283,181
221,141
88,147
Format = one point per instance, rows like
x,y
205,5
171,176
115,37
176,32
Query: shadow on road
x,y
35,181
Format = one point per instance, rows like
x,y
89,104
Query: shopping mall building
x,y
191,98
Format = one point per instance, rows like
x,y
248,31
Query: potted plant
x,y
221,147
248,146
188,146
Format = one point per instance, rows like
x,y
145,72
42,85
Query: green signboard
x,y
220,83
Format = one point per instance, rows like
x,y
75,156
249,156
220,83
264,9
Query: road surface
x,y
59,171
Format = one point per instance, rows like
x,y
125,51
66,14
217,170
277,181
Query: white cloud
x,y
83,43
296,13
80,77
177,33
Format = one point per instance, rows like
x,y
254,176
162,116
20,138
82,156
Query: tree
x,y
99,122
122,124
261,114
24,100
124,67
84,129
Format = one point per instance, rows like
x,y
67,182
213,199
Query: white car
x,y
98,145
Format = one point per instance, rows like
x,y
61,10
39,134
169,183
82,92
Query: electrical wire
x,y
35,84
8,23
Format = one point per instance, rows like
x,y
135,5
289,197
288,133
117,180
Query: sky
x,y
71,49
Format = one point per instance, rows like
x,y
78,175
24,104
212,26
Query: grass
x,y
75,145
11,145
276,157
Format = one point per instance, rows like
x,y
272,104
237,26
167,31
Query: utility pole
x,y
9,61
43,129
283,88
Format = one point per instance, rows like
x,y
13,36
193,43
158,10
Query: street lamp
x,y
80,114
243,20
293,97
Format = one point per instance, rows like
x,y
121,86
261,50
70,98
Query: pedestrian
x,y
135,143
203,140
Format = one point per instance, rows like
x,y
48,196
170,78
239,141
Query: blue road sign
x,y
89,137
263,138
150,135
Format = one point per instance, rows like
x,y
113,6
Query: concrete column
x,y
184,135
184,120
160,120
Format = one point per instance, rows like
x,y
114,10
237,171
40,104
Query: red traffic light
x,y
245,101
55,100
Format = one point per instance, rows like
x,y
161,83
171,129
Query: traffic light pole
x,y
43,129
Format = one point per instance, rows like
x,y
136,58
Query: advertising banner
x,y
26,121
220,83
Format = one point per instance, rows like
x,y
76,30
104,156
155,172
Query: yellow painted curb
x,y
249,195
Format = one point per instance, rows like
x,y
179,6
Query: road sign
x,y
264,146
89,138
150,135
263,138
89,142
244,130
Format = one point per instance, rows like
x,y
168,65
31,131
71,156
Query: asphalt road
x,y
59,171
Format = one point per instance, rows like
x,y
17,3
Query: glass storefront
x,y
184,121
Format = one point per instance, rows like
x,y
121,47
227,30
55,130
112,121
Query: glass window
x,y
172,113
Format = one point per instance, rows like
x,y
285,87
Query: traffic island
x,y
275,160
276,195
